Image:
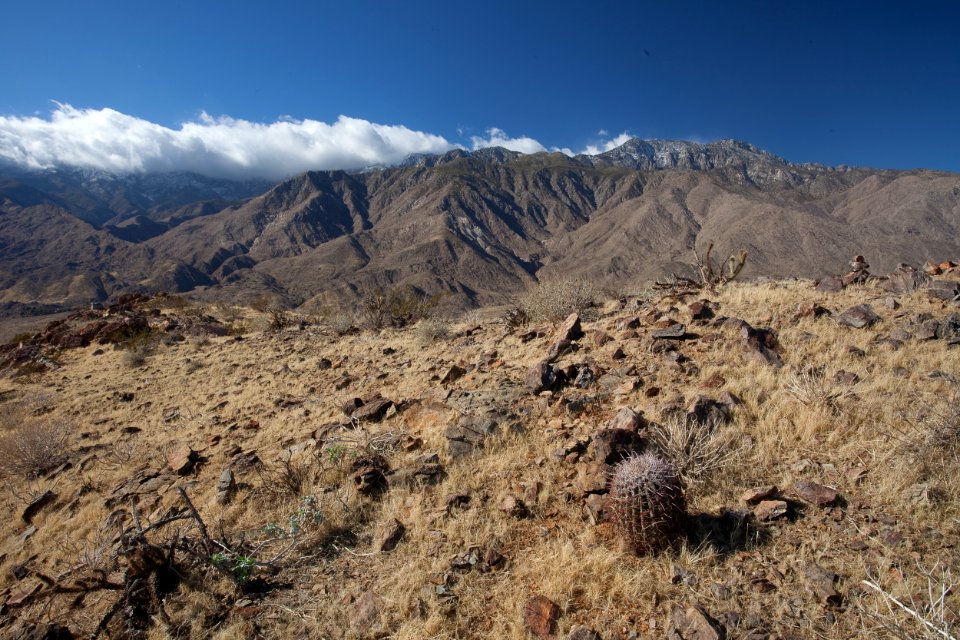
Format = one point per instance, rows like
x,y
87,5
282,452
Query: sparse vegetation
x,y
31,448
554,300
464,488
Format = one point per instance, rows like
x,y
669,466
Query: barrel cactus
x,y
647,503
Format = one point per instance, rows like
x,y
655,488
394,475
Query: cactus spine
x,y
647,503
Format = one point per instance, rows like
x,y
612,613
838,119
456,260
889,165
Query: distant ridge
x,y
480,225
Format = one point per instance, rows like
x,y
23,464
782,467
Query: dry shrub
x,y
396,307
554,300
930,440
432,330
814,390
34,448
928,611
698,449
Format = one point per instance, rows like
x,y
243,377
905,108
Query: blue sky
x,y
874,84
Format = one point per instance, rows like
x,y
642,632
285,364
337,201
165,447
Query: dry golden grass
x,y
875,441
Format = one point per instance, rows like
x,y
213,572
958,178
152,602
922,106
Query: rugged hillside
x,y
485,225
451,480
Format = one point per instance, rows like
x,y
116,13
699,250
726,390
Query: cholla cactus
x,y
647,503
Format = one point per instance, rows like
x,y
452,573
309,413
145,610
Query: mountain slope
x,y
484,225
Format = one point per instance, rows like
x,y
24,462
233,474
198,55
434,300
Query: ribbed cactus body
x,y
647,503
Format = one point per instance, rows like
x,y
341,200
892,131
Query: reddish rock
x,y
365,614
626,418
813,493
858,317
593,477
811,310
715,381
540,616
600,338
610,446
700,311
761,344
830,284
390,535
770,510
693,623
540,377
569,329
182,459
755,495
372,411
513,506
820,582
453,374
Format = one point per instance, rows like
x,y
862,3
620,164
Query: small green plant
x,y
240,568
335,453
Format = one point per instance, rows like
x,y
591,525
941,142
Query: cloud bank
x,y
222,147
227,147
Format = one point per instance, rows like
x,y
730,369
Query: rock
x,y
700,311
557,349
540,616
569,329
468,433
811,310
858,317
226,486
949,328
761,344
454,373
904,280
390,535
630,322
770,510
374,410
755,495
365,614
706,411
610,446
585,377
182,459
369,475
694,623
626,418
23,593
596,505
513,506
715,381
420,475
675,331
830,284
593,477
923,494
38,503
819,581
540,377
618,354
813,493
324,363
580,632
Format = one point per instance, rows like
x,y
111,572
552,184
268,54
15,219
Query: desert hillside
x,y
479,227
184,471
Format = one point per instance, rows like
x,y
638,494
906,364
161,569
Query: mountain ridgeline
x,y
480,225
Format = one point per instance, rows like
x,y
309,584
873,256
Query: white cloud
x,y
606,145
498,138
217,146
228,147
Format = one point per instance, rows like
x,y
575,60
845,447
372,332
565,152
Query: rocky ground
x,y
174,471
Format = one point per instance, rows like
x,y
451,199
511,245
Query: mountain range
x,y
480,225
